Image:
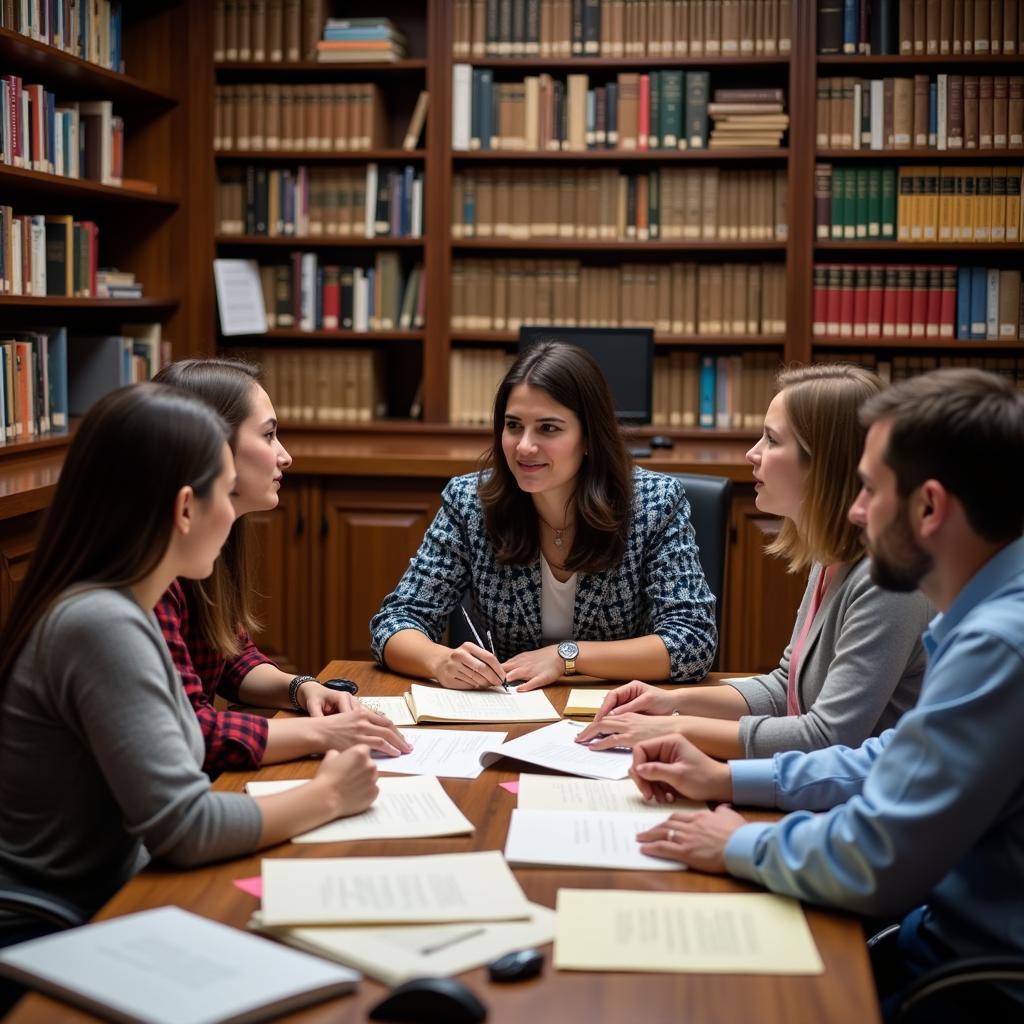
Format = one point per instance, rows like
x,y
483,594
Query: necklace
x,y
559,533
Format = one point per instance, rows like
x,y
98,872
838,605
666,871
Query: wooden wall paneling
x,y
369,536
762,598
17,542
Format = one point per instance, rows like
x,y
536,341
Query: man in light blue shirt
x,y
931,811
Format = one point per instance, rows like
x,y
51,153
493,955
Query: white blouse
x,y
557,601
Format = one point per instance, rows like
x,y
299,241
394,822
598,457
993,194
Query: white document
x,y
240,297
432,889
582,839
447,753
167,966
406,808
559,793
396,953
394,708
730,933
555,747
436,704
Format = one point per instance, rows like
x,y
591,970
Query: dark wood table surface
x,y
844,993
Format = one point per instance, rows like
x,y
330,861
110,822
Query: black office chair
x,y
953,991
710,503
48,914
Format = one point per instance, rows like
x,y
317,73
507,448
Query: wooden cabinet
x,y
17,542
761,597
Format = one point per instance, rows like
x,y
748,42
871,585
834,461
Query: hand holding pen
x,y
471,666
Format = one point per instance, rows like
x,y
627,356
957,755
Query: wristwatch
x,y
569,651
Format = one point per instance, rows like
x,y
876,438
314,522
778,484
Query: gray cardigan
x,y
861,668
100,756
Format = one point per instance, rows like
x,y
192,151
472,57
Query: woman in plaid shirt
x,y
207,623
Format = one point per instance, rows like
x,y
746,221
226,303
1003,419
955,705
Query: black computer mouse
x,y
344,685
430,1001
661,441
517,966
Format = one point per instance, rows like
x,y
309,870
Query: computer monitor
x,y
625,355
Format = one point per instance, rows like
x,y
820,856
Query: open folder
x,y
434,704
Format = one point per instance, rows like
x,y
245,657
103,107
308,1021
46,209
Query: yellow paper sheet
x,y
730,933
584,703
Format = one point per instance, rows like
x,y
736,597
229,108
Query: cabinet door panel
x,y
369,539
763,598
17,542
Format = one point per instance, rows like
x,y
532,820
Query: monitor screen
x,y
625,355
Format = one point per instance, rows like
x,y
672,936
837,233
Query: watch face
x,y
568,650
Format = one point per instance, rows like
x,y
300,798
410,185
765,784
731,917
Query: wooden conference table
x,y
844,993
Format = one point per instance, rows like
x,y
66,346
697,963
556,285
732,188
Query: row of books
x,y
896,368
710,391
325,385
47,254
310,296
75,140
358,40
283,118
904,301
91,31
621,28
919,204
678,298
378,201
45,379
638,111
608,204
266,30
473,378
920,27
944,112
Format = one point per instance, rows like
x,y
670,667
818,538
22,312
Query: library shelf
x,y
951,248
923,154
572,64
69,302
961,345
577,245
619,155
885,60
315,68
319,242
73,77
660,338
78,189
334,156
323,335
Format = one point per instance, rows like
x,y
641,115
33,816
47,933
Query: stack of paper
x,y
435,704
729,933
167,966
555,747
405,808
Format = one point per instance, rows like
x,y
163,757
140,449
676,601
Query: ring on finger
x,y
671,835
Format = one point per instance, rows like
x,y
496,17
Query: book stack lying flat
x,y
355,40
743,118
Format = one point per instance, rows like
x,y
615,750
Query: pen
x,y
479,642
490,641
427,950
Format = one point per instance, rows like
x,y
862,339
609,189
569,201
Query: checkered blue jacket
x,y
658,587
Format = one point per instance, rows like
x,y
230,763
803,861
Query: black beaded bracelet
x,y
293,690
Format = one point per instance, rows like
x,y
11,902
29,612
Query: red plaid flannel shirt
x,y
235,740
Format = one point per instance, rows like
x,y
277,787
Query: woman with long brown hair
x,y
575,560
855,662
207,623
100,752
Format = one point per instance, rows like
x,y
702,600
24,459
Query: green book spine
x,y
654,120
850,204
874,202
862,217
838,193
697,85
888,202
671,108
653,206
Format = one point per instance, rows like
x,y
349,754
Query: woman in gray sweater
x,y
855,661
100,751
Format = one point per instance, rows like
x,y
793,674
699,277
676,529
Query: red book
x,y
873,325
860,301
832,301
332,297
947,303
846,300
904,300
933,315
889,303
919,302
94,252
819,318
644,116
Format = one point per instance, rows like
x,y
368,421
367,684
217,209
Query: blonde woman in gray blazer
x,y
855,661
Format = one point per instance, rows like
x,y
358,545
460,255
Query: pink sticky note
x,y
512,787
253,886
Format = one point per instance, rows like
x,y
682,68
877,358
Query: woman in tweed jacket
x,y
559,538
855,662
